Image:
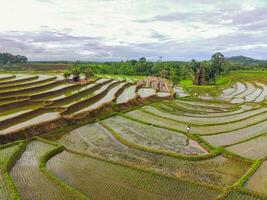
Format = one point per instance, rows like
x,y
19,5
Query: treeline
x,y
260,66
207,72
173,70
8,58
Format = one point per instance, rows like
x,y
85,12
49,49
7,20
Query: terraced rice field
x,y
29,100
106,138
26,174
102,180
97,141
257,183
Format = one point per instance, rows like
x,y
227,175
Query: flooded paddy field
x,y
108,138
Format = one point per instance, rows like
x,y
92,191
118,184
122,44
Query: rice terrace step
x,y
133,100
91,124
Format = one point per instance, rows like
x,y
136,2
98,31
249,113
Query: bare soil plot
x,y
152,137
258,181
95,140
253,149
101,180
30,182
233,137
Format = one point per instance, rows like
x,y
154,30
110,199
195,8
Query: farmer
x,y
187,132
188,128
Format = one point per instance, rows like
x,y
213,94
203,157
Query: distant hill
x,y
243,60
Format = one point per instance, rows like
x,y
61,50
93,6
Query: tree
x,y
209,72
197,70
7,58
218,62
67,74
75,71
142,59
88,73
165,73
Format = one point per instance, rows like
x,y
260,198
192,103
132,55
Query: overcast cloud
x,y
100,30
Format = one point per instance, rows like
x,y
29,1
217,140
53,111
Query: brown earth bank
x,y
59,126
159,84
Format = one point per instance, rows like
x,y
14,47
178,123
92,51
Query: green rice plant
x,y
94,140
28,84
241,195
7,77
9,154
102,180
26,173
19,80
42,166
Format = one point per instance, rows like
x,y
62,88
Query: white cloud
x,y
122,26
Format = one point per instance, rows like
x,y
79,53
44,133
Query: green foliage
x,y
7,58
174,71
88,73
208,71
75,71
67,74
78,69
246,63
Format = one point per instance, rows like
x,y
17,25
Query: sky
x,y
111,30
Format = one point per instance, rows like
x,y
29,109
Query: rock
x,y
159,84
